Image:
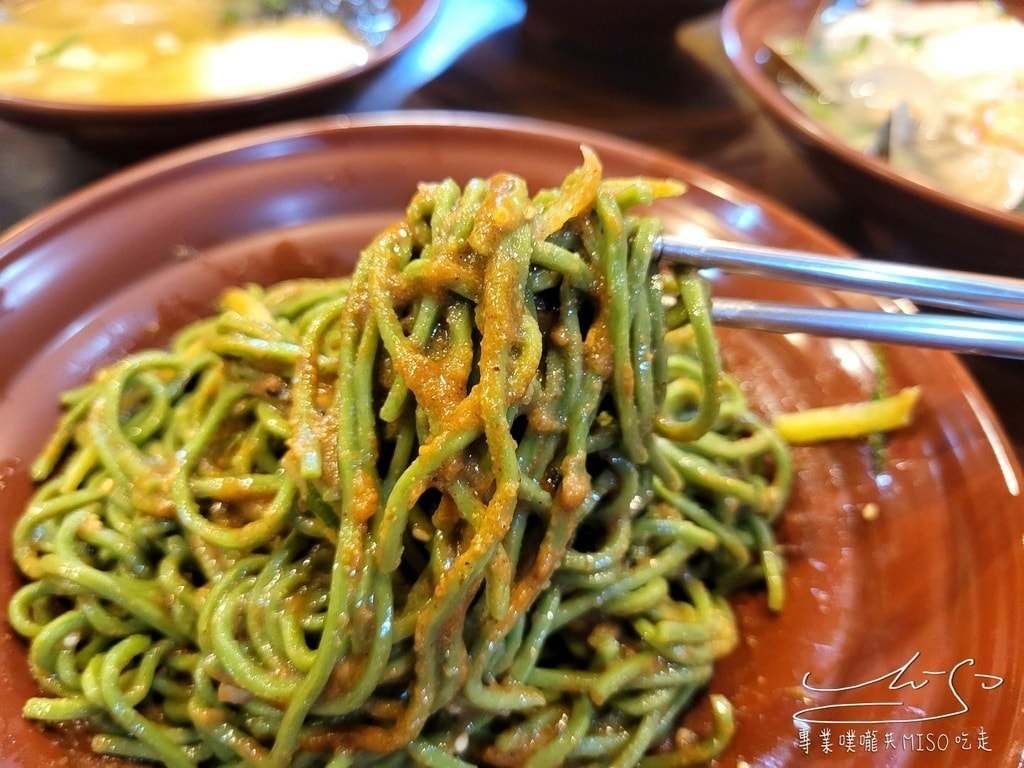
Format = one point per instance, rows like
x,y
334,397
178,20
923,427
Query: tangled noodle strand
x,y
480,503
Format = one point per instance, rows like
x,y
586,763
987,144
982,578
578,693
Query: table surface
x,y
477,56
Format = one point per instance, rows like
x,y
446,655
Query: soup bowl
x,y
904,217
168,114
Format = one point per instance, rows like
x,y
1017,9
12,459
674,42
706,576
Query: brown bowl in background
x,y
904,218
137,129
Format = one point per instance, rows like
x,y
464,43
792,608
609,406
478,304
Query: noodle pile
x,y
480,503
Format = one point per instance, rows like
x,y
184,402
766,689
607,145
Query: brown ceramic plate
x,y
932,586
136,129
907,219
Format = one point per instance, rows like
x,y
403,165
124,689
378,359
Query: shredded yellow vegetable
x,y
849,420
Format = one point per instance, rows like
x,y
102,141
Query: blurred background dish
x,y
140,76
126,261
904,215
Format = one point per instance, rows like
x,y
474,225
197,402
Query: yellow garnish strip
x,y
849,420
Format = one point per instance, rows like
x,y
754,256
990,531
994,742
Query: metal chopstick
x,y
975,335
1001,335
940,288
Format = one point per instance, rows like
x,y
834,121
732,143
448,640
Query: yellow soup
x,y
153,51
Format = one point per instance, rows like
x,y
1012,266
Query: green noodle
x,y
480,503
